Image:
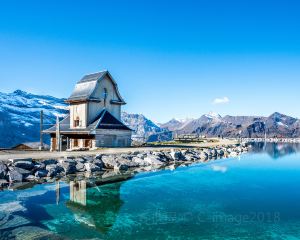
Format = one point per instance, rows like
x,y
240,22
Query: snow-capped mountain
x,y
213,115
176,124
142,126
20,116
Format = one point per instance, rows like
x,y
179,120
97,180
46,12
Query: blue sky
x,y
170,58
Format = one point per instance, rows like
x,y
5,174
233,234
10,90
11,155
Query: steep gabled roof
x,y
107,121
86,86
92,77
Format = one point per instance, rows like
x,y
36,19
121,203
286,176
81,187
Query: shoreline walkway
x,y
37,155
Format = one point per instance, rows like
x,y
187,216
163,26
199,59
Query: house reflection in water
x,y
78,192
95,206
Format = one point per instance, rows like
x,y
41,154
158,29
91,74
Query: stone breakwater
x,y
28,170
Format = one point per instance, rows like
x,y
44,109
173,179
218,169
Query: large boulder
x,y
191,157
126,156
99,163
121,167
203,155
161,156
50,161
53,170
214,153
177,155
208,152
30,178
244,149
39,166
141,155
91,167
153,160
69,166
80,160
125,162
41,173
80,167
140,162
229,150
67,160
3,171
238,149
109,161
88,158
135,153
14,160
132,164
24,164
17,174
220,152
99,156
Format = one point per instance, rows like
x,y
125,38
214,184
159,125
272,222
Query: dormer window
x,y
77,122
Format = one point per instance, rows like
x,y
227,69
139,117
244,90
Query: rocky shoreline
x,y
14,171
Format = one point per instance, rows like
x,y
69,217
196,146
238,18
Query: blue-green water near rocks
x,y
256,196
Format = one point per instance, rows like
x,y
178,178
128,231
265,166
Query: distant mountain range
x,y
211,125
20,118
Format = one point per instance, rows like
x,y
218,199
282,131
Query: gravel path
x,y
6,154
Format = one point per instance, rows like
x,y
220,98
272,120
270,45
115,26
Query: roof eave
x,y
70,132
83,100
117,102
76,100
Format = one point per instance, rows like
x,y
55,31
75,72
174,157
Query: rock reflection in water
x,y
275,150
95,206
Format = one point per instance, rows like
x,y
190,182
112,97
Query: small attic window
x,y
104,93
104,96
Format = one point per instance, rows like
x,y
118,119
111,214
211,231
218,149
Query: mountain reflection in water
x,y
275,150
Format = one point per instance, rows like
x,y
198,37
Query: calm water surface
x,y
256,196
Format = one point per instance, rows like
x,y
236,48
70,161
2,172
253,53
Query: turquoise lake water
x,y
256,196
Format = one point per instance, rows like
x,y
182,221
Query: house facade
x,y
95,116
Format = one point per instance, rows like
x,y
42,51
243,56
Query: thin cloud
x,y
222,100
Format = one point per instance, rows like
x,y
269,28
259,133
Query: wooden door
x,y
53,147
88,143
75,143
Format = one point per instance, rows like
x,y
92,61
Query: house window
x,y
104,96
104,93
77,122
75,143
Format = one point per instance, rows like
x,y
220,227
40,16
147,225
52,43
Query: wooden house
x,y
95,116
